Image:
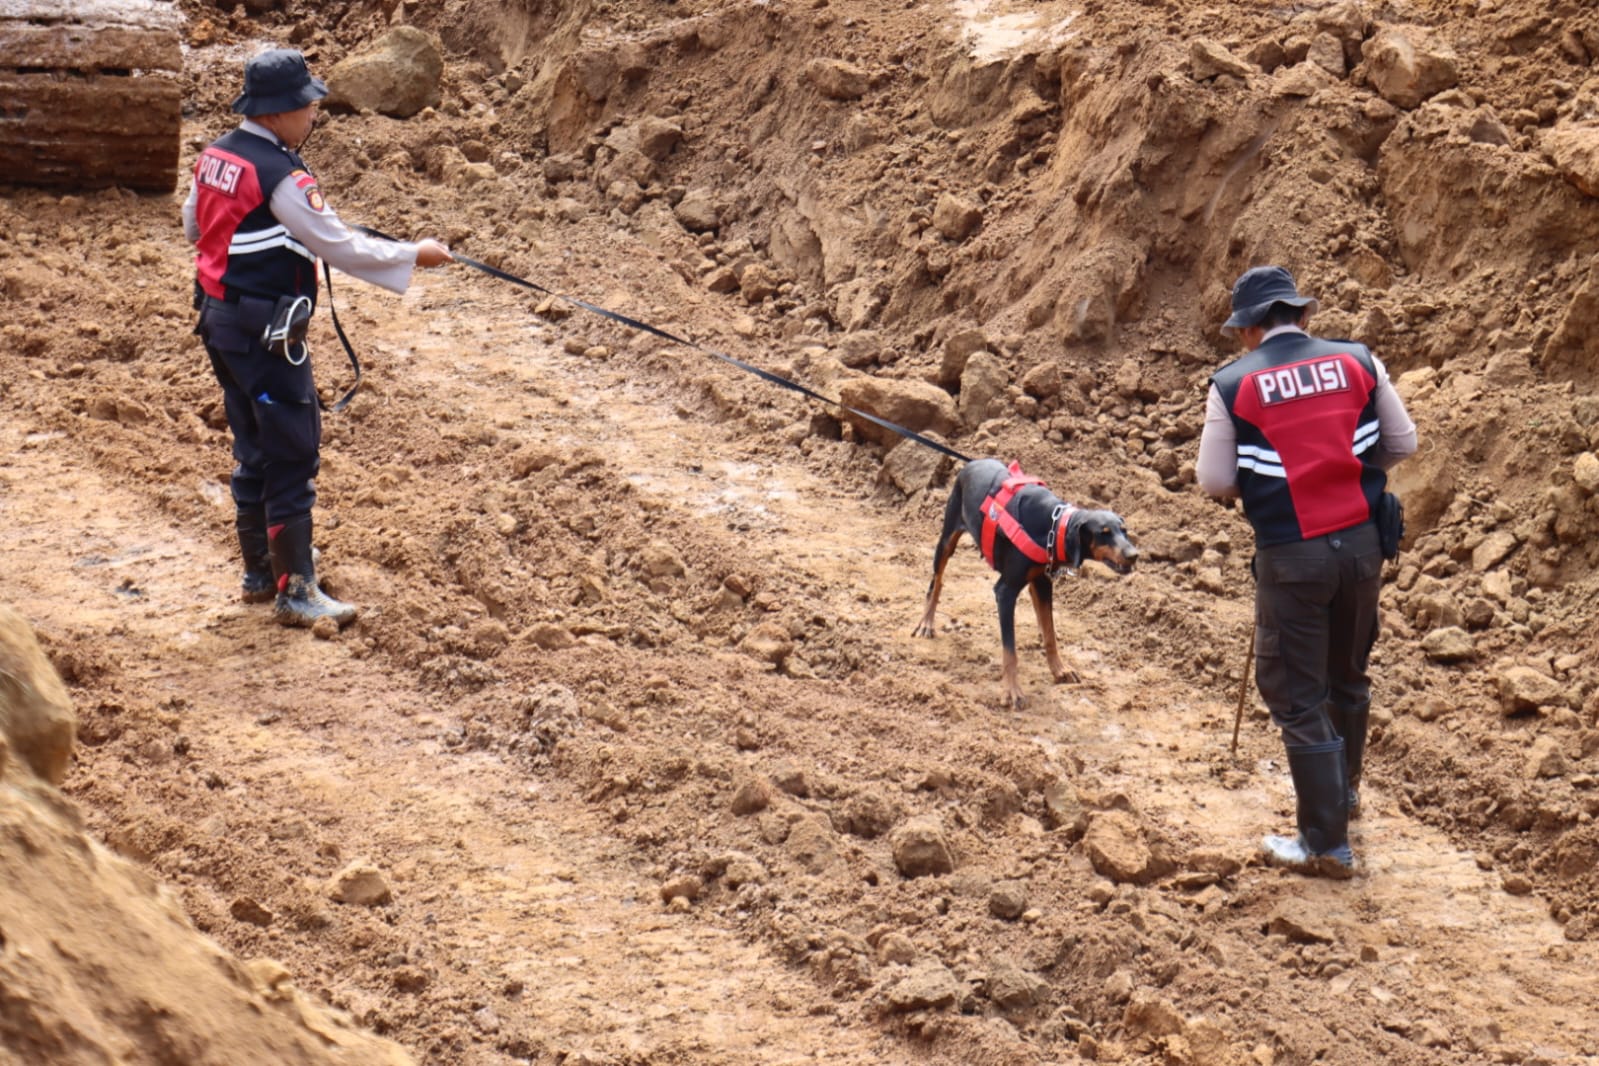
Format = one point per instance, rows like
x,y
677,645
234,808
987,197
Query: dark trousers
x,y
1315,625
272,410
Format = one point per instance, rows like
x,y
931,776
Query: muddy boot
x,y
258,585
1321,792
1351,724
300,602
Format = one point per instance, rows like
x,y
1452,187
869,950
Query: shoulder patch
x,y
306,183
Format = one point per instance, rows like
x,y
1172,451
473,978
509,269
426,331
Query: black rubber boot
x,y
300,601
259,585
1352,725
1321,792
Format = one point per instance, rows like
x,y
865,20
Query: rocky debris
x,y
1149,1015
837,79
916,405
698,211
1545,759
926,986
920,848
956,217
1118,849
983,389
1012,988
1493,550
360,883
958,348
1044,381
813,844
769,642
1585,472
1449,645
1408,65
1522,690
685,887
1574,150
742,869
753,795
398,76
1209,59
868,814
659,559
37,723
1064,809
1301,921
913,467
1008,900
248,910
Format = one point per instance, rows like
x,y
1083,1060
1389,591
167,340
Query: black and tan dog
x,y
1026,533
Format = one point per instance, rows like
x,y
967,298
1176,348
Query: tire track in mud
x,y
547,910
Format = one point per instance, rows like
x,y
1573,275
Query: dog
x,y
1026,533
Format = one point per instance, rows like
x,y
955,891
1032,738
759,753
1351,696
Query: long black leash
x,y
633,323
343,401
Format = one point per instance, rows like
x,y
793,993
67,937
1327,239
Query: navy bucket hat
x,y
1256,290
278,81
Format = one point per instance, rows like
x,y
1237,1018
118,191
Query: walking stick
x,y
1243,690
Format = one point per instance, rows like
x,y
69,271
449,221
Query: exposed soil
x,y
633,725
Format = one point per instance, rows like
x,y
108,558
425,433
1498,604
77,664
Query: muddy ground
x,y
633,727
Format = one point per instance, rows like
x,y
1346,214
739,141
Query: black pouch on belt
x,y
1390,519
285,333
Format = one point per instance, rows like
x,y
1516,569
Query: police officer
x,y
259,223
1304,430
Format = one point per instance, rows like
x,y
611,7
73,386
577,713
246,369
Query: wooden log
x,y
90,35
90,131
86,99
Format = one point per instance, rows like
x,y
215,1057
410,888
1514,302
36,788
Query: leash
x,y
633,323
343,401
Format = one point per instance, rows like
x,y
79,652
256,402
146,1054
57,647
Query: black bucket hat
x,y
277,81
1256,290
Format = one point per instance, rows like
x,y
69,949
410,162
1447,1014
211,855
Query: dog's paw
x,y
923,629
1067,676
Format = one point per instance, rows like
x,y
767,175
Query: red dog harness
x,y
997,518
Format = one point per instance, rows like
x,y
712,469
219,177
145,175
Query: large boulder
x,y
916,405
399,76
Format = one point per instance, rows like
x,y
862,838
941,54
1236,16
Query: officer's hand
x,y
431,253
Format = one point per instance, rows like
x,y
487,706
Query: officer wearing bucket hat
x,y
259,223
1304,430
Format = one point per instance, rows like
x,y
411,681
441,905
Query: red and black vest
x,y
243,249
1306,416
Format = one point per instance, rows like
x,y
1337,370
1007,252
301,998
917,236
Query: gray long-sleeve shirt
x,y
1216,470
388,264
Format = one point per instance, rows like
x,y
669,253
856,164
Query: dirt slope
x,y
637,626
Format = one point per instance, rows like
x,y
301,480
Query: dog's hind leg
x,y
1043,593
941,557
1005,596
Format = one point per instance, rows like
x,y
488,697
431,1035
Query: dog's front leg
x,y
941,557
1043,593
1005,596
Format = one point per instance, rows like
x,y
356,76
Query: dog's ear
x,y
1075,529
